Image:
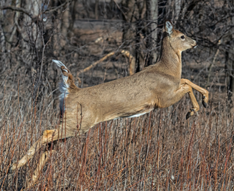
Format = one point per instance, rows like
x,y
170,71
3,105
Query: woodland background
x,y
158,151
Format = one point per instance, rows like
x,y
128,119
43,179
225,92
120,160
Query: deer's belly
x,y
139,114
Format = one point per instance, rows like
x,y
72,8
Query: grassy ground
x,y
158,151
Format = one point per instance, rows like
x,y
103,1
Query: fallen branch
x,y
124,52
95,63
131,60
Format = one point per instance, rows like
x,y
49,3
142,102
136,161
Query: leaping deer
x,y
157,86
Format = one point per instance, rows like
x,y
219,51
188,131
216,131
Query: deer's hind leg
x,y
41,163
47,137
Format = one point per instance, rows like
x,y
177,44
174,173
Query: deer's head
x,y
178,41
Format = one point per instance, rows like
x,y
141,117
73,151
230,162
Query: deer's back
x,y
139,93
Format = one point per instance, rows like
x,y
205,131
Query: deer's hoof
x,y
188,115
12,167
204,102
10,171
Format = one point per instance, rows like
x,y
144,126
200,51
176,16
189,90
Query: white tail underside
x,y
63,86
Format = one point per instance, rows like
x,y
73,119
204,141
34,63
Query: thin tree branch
x,y
125,17
56,8
22,10
19,9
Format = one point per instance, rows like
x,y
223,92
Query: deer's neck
x,y
170,59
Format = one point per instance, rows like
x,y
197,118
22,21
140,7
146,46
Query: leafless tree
x,y
98,40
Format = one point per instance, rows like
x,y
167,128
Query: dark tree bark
x,y
133,28
128,16
229,62
229,68
96,9
152,32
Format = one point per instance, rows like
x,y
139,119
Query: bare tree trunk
x,y
73,6
30,29
230,74
2,35
177,9
229,66
8,24
8,28
128,31
162,15
133,14
152,17
96,9
65,25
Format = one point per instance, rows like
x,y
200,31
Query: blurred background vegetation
x,y
80,33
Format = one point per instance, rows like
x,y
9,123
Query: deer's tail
x,y
67,77
67,83
66,74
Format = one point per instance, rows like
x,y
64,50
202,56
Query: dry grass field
x,y
158,151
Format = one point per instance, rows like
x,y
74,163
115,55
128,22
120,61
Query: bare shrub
x,y
158,151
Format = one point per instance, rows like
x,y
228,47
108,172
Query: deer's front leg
x,y
178,94
204,92
195,107
194,103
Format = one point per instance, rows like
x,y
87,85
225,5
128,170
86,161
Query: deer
x,y
157,86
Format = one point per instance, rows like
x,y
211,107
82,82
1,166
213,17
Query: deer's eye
x,y
182,37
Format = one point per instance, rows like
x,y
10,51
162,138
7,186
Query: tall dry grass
x,y
158,151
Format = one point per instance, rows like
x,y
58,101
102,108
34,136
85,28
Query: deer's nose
x,y
194,43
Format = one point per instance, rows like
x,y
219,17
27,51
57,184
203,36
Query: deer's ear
x,y
168,27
